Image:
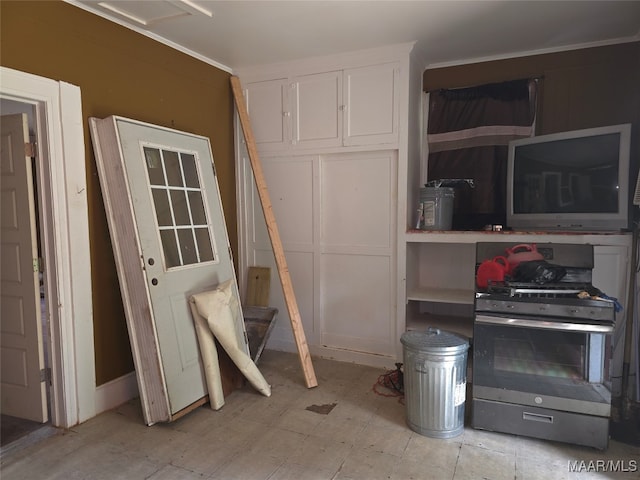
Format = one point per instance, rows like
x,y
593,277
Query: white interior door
x,y
22,354
183,247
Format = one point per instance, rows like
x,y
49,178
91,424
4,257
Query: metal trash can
x,y
436,207
435,382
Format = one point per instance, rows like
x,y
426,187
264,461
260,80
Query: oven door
x,y
541,362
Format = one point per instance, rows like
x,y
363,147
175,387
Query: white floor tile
x,y
341,429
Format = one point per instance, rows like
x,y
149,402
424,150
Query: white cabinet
x,y
332,134
269,117
356,250
611,270
371,105
611,275
440,274
316,110
347,107
341,256
439,286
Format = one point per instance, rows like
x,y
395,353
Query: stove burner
x,y
534,290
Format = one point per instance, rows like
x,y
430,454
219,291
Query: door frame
x,y
62,193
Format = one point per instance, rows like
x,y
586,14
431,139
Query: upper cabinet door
x,y
371,105
317,110
267,105
325,110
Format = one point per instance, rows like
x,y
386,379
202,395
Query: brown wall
x,y
120,72
581,88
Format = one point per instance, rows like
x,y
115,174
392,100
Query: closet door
x,y
357,251
291,184
336,217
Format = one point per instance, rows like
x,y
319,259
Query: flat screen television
x,y
576,180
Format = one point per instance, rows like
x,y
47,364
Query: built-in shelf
x,y
455,324
441,295
474,236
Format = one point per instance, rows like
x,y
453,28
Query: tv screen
x,y
572,180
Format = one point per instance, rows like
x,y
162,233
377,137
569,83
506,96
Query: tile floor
x,y
364,436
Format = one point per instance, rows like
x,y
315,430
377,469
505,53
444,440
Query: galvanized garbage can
x,y
435,382
436,207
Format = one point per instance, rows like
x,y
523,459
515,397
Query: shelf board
x,y
460,325
474,236
441,295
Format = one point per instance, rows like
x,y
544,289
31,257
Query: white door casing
x,y
168,199
24,392
61,181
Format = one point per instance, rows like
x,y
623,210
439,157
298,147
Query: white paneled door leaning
x,y
170,241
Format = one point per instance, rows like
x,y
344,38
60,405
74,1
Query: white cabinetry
x,y
332,134
269,117
316,107
371,105
349,107
440,272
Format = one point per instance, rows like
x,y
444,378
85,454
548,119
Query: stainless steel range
x,y
540,352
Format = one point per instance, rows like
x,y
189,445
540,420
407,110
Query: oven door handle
x,y
543,324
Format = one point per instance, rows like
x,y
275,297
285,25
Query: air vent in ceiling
x,y
147,13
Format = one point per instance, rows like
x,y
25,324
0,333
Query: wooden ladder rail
x,y
274,235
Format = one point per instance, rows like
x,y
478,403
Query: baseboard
x,y
340,355
116,392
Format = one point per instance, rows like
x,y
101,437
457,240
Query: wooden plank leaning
x,y
274,235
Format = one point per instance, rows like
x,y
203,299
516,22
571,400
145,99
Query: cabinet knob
x,y
286,114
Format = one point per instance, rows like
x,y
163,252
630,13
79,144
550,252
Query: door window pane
x,y
154,166
204,244
190,171
161,204
172,166
187,246
178,200
197,208
180,209
170,248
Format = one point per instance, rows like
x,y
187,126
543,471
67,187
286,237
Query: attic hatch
x,y
148,14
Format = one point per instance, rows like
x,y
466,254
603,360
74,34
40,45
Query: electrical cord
x,y
392,382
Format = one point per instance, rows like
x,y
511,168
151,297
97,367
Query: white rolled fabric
x,y
215,306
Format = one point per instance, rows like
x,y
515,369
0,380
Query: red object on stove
x,y
522,253
493,270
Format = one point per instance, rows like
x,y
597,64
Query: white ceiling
x,y
235,34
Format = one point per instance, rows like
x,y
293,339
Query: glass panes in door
x,y
179,207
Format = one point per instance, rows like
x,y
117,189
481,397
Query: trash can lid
x,y
435,340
